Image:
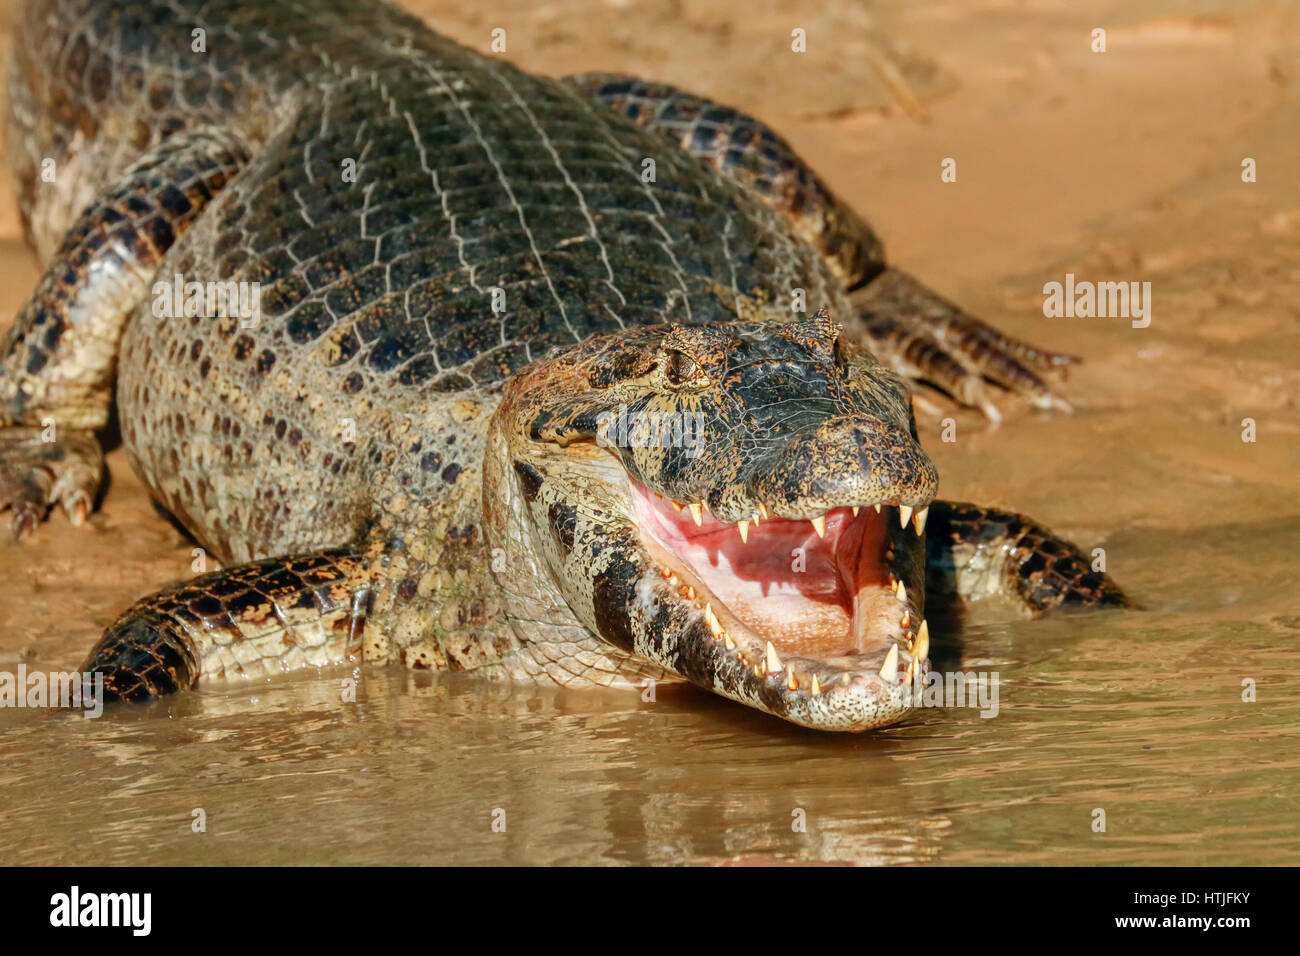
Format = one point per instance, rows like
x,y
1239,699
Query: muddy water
x,y
1122,166
1139,715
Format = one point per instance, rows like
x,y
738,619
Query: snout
x,y
851,459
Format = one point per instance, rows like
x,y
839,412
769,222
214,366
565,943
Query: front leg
x,y
60,355
975,553
393,597
59,359
254,619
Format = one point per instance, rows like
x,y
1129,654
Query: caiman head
x,y
741,505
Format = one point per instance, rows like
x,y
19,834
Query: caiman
x,y
588,380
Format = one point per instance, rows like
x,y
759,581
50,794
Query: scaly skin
x,y
463,274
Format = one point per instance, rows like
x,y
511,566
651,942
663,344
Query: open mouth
x,y
820,604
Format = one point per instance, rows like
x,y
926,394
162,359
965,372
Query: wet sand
x,y
1116,166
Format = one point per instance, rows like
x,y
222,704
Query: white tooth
x,y
877,507
793,682
755,519
774,665
675,504
848,679
819,525
697,513
902,592
762,509
904,515
889,670
744,531
921,650
855,511
726,639
816,687
918,522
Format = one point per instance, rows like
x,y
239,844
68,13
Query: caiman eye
x,y
680,368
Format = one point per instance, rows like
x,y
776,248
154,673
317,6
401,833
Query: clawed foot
x,y
35,474
928,339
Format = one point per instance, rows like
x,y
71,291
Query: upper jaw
x,y
846,460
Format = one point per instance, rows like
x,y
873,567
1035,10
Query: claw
x,y
77,506
24,524
35,474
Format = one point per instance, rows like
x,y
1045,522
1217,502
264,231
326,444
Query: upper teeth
x,y
919,520
906,513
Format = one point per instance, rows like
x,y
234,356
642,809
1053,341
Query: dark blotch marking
x,y
613,592
564,520
530,479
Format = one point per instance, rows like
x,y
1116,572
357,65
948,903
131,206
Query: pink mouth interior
x,y
810,596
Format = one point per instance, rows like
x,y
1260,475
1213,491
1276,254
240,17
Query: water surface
x,y
1139,714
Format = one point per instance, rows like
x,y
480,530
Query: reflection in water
x,y
1138,714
